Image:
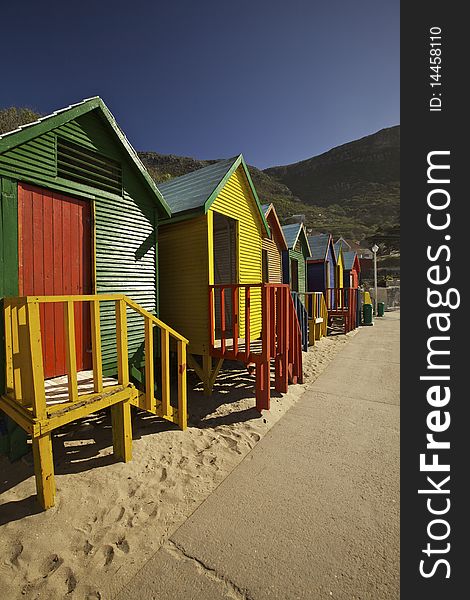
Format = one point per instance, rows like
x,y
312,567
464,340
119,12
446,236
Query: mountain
x,y
352,190
357,184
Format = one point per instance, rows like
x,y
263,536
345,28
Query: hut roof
x,y
319,245
349,258
274,223
26,132
196,191
293,232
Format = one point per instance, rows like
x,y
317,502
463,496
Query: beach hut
x,y
295,272
273,247
339,265
295,257
78,282
211,280
352,269
321,263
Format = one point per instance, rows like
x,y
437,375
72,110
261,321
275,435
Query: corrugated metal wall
x,y
299,257
184,280
236,201
274,261
125,226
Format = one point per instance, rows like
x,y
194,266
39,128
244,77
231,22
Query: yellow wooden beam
x,y
150,403
44,470
70,350
215,372
193,364
8,347
182,387
96,346
121,342
206,373
37,369
165,354
21,415
83,410
122,430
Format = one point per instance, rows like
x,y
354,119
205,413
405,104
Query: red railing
x,y
280,338
342,302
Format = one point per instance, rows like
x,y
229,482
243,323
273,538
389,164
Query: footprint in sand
x,y
51,565
230,443
87,548
71,581
109,555
123,545
16,550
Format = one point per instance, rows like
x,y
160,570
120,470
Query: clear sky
x,y
279,80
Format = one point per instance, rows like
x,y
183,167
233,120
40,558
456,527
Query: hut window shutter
x,y
87,167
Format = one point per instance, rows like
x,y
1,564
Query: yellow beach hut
x,y
214,237
339,269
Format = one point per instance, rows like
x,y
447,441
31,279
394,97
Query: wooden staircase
x,y
280,341
342,303
27,402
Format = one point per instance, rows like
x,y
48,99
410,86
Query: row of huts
x,y
103,271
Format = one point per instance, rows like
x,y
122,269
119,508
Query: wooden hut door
x,y
54,252
225,264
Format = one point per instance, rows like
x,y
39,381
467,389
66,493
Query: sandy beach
x,y
111,517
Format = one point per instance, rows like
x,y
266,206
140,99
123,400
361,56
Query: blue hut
x,y
321,264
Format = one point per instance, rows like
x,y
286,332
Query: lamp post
x,y
374,250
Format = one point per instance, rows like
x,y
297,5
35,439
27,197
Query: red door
x,y
54,252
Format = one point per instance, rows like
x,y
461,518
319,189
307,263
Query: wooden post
x,y
211,318
165,353
70,350
150,403
122,430
37,369
207,370
263,389
235,324
44,469
247,323
182,390
121,343
222,319
96,346
8,349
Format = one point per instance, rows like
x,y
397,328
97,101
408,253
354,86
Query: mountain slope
x,y
357,184
352,190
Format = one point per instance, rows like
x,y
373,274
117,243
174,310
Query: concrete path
x,y
313,511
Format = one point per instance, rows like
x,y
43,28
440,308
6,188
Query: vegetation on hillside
x,y
11,118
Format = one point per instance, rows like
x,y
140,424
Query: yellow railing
x,y
25,400
317,312
24,357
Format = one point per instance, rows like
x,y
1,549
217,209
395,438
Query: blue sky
x,y
277,80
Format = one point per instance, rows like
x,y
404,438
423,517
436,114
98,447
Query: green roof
x,y
196,191
23,134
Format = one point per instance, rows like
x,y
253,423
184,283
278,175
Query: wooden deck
x,y
57,391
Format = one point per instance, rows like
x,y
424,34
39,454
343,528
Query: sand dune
x,y
110,517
